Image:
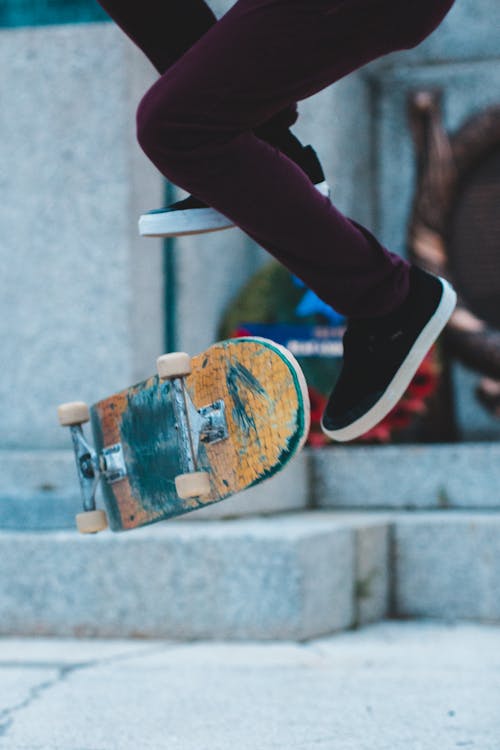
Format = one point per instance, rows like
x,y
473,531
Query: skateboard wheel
x,y
196,484
73,413
91,522
174,365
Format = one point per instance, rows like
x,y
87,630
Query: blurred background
x,y
410,145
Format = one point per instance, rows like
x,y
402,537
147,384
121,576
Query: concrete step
x,y
40,491
288,576
420,477
447,565
285,577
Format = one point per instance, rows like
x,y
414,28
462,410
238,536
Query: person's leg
x,y
196,125
165,29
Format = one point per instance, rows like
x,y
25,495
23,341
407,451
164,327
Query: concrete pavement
x,y
393,686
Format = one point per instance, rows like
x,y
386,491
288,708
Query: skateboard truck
x,y
206,425
89,466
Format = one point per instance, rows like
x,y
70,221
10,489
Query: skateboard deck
x,y
239,417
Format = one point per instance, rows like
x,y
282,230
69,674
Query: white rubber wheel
x,y
196,484
76,412
174,365
91,521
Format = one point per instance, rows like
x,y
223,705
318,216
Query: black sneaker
x,y
192,216
381,356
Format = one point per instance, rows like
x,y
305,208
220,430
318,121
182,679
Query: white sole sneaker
x,y
193,220
405,373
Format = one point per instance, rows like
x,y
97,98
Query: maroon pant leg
x,y
196,124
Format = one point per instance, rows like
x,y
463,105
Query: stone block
x,y
39,490
447,566
373,577
458,475
372,537
290,577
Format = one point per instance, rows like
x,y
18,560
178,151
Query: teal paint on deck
x,y
150,461
153,464
14,13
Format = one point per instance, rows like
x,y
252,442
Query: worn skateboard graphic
x,y
198,432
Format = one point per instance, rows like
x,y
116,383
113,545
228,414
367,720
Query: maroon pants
x,y
212,122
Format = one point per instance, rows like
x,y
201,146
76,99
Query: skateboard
x,y
199,431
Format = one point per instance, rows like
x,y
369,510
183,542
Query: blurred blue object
x,y
311,304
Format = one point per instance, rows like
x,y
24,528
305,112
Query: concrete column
x,y
82,297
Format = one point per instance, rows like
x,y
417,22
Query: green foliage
x,y
269,297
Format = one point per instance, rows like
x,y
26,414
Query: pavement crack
x,y
63,671
7,715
